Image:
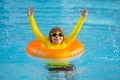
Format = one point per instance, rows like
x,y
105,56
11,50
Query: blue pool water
x,y
100,35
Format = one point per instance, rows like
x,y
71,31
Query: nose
x,y
57,36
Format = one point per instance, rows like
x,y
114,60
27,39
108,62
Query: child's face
x,y
57,37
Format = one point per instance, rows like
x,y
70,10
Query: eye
x,y
60,34
54,34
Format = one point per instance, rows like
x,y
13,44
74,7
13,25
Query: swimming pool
x,y
99,34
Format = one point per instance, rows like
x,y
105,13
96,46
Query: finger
x,y
85,10
29,7
32,10
81,11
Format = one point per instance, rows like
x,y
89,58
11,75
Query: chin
x,y
57,42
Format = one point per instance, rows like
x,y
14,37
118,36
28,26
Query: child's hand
x,y
30,11
84,12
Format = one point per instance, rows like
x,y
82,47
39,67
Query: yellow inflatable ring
x,y
36,49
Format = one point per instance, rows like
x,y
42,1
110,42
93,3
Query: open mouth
x,y
56,39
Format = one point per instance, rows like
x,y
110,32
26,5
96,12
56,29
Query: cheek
x,y
61,38
52,38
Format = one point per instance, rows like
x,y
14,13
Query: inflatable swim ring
x,y
36,49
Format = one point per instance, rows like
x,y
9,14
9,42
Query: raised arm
x,y
34,26
72,36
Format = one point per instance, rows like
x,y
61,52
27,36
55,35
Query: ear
x,y
48,37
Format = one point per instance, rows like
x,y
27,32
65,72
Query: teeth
x,y
56,39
